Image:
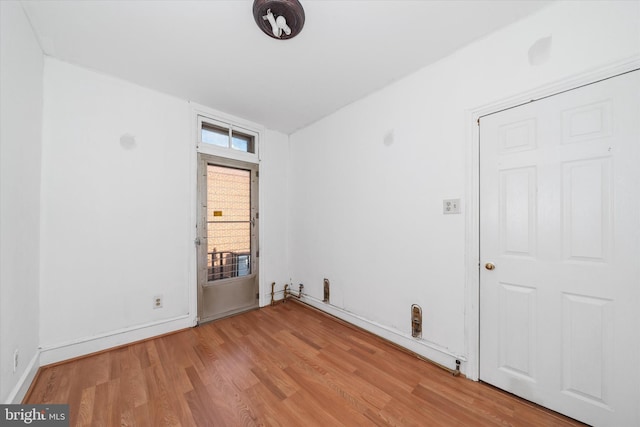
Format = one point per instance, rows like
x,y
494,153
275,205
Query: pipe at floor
x,y
288,293
273,285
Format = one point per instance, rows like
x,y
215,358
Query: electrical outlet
x,y
15,360
157,301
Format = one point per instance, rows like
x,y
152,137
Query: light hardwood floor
x,y
287,365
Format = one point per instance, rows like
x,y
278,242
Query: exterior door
x,y
559,251
227,237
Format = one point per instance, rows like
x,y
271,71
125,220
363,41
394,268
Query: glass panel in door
x,y
228,222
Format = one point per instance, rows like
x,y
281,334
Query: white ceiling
x,y
213,53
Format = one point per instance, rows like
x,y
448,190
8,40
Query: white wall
x,y
115,218
21,68
118,222
274,208
367,183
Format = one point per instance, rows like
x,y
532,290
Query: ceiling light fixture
x,y
280,19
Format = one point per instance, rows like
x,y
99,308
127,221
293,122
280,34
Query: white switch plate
x,y
451,206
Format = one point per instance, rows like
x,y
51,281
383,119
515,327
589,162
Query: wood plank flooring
x,y
287,365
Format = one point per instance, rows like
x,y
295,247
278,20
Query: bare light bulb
x,y
281,22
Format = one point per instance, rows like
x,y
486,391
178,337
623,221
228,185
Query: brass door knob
x,y
489,266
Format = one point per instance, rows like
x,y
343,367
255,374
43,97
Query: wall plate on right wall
x,y
451,206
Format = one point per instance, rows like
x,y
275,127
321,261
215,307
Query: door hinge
x,y
257,295
257,174
257,215
257,254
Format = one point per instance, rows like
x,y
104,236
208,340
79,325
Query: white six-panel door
x,y
560,251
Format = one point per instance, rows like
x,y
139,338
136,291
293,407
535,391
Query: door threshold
x,y
228,314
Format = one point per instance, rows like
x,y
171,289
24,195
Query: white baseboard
x,y
20,390
426,349
83,346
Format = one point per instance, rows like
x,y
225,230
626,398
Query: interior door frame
x,y
203,160
472,190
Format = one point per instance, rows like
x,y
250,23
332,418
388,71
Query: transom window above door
x,y
226,139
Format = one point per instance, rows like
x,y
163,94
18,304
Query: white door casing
x,y
560,220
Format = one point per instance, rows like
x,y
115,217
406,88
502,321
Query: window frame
x,y
231,128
